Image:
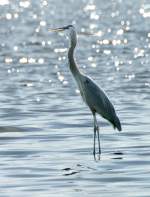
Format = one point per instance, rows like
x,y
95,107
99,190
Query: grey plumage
x,y
97,101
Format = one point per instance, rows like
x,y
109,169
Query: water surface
x,y
46,131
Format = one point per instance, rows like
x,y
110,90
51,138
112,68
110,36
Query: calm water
x,y
46,133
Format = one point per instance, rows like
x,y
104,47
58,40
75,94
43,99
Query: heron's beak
x,y
58,29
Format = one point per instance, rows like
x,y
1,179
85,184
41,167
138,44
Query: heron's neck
x,y
72,63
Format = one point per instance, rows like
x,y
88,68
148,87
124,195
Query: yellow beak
x,y
56,30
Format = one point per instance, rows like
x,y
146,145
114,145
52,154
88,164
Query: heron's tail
x,y
116,123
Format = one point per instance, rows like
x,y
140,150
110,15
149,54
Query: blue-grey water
x,y
46,131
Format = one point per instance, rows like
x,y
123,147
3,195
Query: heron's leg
x,y
99,145
94,141
94,152
98,136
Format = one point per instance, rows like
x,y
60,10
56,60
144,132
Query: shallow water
x,y
46,131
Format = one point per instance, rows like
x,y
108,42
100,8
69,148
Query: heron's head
x,y
71,32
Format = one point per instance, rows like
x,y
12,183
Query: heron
x,y
95,98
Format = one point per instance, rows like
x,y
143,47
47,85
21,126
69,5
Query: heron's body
x,y
97,100
91,93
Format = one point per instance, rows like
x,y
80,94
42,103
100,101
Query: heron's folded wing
x,y
97,99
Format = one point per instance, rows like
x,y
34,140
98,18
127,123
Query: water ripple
x,y
46,131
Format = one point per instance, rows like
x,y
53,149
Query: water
x,y
46,133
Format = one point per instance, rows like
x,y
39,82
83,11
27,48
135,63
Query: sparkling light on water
x,y
24,4
8,16
46,131
4,2
144,12
8,60
89,7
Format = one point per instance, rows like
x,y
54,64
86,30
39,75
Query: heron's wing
x,y
97,99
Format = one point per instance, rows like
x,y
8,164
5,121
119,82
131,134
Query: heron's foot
x,y
96,156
